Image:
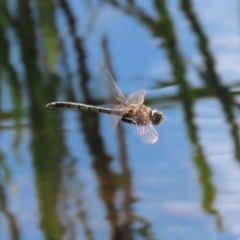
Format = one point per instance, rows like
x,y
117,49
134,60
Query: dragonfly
x,y
130,110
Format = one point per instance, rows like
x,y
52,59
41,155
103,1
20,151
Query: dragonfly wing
x,y
137,97
145,129
114,120
147,133
115,93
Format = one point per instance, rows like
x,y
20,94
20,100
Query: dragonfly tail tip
x,y
49,105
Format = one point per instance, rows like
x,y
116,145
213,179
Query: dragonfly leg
x,y
129,120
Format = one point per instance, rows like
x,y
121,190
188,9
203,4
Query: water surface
x,y
65,174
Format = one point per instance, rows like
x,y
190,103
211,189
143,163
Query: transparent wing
x,y
145,129
115,93
147,133
137,97
114,118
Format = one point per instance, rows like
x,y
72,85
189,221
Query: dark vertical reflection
x,y
88,232
163,28
71,191
186,95
210,77
13,228
213,82
90,127
44,129
48,30
13,83
11,76
126,227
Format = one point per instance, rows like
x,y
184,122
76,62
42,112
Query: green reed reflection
x,y
46,160
163,28
210,77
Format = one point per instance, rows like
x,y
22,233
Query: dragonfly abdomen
x,y
84,107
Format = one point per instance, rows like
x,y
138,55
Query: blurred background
x,y
65,174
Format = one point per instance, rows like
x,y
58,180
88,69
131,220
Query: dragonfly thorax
x,y
156,117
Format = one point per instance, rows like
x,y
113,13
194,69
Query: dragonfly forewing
x,y
116,96
137,98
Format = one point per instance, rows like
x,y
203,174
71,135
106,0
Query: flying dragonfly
x,y
130,110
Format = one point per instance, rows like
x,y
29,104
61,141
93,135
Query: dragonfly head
x,y
157,117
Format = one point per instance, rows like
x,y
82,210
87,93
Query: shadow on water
x,y
40,83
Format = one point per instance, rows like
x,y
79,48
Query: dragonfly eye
x,y
157,117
